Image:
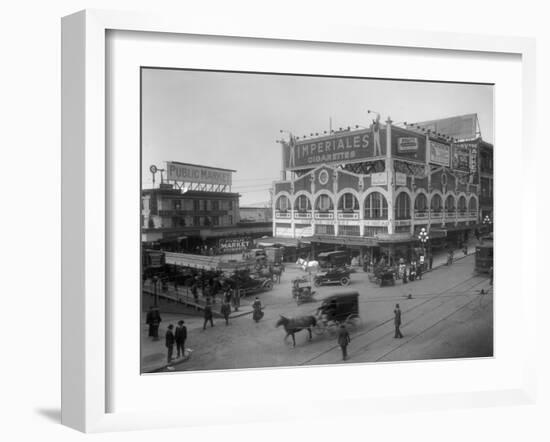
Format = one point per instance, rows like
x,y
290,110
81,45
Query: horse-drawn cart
x,y
383,276
340,308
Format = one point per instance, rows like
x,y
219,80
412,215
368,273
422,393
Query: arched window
x,y
348,202
436,203
324,203
421,203
283,203
462,204
376,206
473,205
450,203
403,206
302,204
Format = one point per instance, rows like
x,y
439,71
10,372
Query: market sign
x,y
342,147
440,153
191,173
407,144
461,157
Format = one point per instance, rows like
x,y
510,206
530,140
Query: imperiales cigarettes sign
x,y
197,174
337,148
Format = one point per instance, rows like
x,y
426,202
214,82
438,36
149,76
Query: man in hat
x,y
170,340
208,315
397,321
343,341
226,311
153,320
180,336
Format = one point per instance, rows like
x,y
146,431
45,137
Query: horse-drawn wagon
x,y
337,309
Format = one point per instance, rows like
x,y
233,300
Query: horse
x,y
293,325
308,266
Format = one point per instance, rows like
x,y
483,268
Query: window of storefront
x,y
450,203
462,204
436,203
421,203
473,205
348,202
196,206
215,205
376,206
349,230
322,229
403,206
302,204
324,203
373,231
283,204
215,220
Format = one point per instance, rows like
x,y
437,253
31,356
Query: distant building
x,y
371,190
256,214
194,209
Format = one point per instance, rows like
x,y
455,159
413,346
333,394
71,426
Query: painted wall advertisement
x,y
336,148
440,153
379,179
196,174
461,157
400,179
407,144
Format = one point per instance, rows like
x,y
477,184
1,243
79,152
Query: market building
x,y
371,190
194,210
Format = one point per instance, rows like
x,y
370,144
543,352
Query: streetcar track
x,y
426,329
332,348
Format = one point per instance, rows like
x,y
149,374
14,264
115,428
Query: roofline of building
x,y
200,165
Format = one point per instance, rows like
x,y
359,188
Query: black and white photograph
x,y
300,220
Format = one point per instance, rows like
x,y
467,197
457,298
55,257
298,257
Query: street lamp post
x,y
155,298
423,237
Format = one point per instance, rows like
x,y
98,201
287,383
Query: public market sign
x,y
336,148
190,173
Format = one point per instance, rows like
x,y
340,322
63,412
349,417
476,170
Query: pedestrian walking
x,y
225,311
430,261
257,307
170,340
181,337
208,317
397,321
404,275
343,341
153,319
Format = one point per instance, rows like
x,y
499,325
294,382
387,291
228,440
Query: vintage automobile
x,y
301,290
337,275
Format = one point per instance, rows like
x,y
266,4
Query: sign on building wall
x,y
461,127
303,231
197,174
379,179
461,157
336,148
440,153
400,179
407,144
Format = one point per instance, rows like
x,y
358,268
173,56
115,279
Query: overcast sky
x,y
232,120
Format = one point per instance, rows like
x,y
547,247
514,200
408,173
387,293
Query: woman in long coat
x,y
258,314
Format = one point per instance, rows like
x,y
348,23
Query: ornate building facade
x,y
372,190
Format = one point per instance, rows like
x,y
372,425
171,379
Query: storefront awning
x,y
271,241
345,240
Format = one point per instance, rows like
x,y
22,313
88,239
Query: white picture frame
x,y
85,214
